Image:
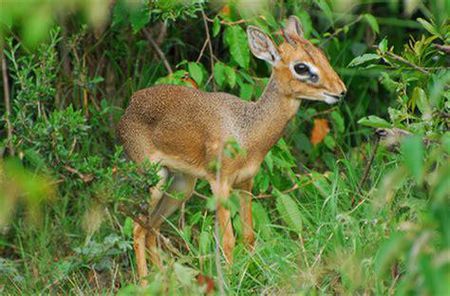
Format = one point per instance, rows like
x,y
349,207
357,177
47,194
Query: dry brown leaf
x,y
206,281
319,131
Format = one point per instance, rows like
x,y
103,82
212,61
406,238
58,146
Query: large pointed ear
x,y
293,30
262,46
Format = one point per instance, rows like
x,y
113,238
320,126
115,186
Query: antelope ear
x,y
262,45
293,30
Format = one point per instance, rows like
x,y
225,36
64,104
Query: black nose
x,y
343,93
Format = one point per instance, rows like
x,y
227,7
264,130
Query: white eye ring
x,y
311,76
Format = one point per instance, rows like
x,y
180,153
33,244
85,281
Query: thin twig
x,y
228,23
208,38
367,169
443,48
158,50
6,98
406,62
339,30
202,50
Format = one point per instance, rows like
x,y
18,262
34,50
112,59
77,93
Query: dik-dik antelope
x,y
186,130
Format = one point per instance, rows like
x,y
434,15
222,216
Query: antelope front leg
x,y
221,193
245,196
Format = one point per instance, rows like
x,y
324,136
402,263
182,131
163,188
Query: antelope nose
x,y
343,93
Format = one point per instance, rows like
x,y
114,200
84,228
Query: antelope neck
x,y
269,116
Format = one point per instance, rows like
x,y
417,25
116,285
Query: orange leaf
x,y
225,11
189,80
319,131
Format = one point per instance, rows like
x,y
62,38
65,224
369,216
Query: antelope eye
x,y
301,69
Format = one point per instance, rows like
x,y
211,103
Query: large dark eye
x,y
301,69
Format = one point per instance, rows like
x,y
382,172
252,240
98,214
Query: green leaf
x,y
236,39
246,91
326,9
372,21
230,75
374,121
224,74
139,17
383,45
338,121
219,73
363,59
204,242
413,156
428,26
419,97
329,142
196,72
216,27
261,220
128,227
288,210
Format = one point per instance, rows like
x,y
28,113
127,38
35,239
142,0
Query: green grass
x,y
335,251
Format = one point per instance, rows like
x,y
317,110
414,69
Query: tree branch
x,y
158,50
208,38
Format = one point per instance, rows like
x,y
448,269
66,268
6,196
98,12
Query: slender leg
x,y
141,236
246,212
167,205
139,250
221,193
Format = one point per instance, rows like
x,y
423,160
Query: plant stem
x,y
6,97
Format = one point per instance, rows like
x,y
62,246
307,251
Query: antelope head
x,y
301,69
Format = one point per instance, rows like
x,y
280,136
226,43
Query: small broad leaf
x,y
224,74
413,156
230,75
419,97
338,121
246,91
372,21
319,131
374,121
196,72
289,211
383,45
236,39
363,59
219,73
329,142
261,220
216,27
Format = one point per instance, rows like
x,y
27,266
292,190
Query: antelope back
x,y
300,68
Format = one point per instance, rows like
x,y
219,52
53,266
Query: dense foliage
x,y
339,208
